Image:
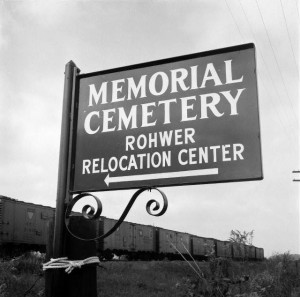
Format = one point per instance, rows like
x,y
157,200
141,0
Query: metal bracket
x,y
89,212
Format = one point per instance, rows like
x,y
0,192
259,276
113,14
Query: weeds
x,y
18,274
277,278
218,277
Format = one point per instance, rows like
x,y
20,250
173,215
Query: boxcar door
x,y
133,234
30,225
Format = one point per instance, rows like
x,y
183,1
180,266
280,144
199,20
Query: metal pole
x,y
55,283
63,195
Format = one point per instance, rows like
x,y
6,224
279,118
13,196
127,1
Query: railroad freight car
x,y
223,249
243,251
23,224
172,243
259,254
201,247
238,251
133,240
250,252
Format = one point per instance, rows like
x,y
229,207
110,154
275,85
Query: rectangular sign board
x,y
187,120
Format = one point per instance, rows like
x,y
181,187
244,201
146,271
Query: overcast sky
x,y
37,39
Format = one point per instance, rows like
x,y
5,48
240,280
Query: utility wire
x,y
275,58
265,64
275,88
279,114
234,19
287,29
297,7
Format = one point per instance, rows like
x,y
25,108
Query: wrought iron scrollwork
x,y
153,208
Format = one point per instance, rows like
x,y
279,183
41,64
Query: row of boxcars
x,y
150,242
26,225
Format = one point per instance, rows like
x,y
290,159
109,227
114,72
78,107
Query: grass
x,y
140,279
275,277
221,277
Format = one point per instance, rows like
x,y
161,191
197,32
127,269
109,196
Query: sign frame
x,y
74,115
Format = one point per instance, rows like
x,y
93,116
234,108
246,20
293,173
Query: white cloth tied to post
x,y
69,265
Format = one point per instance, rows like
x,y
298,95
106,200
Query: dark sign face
x,y
187,120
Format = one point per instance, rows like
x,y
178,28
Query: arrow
x,y
118,179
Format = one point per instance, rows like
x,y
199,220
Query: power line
x,y
260,53
287,29
297,7
275,88
270,43
234,19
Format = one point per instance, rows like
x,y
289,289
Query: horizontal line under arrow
x,y
127,178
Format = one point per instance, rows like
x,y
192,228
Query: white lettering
x,y
147,114
181,162
210,74
179,79
166,104
108,119
95,165
185,107
214,148
233,101
96,95
228,71
129,142
237,151
116,89
85,166
135,89
87,122
164,85
211,105
194,77
123,118
225,152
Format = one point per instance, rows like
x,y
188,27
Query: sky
x,y
38,38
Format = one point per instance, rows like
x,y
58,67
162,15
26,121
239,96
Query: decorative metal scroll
x,y
89,212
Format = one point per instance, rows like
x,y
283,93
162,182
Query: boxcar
x,y
238,251
223,249
170,242
250,252
166,241
259,253
23,223
202,247
129,239
183,242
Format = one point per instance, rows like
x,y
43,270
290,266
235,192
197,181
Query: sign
x,y
186,120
